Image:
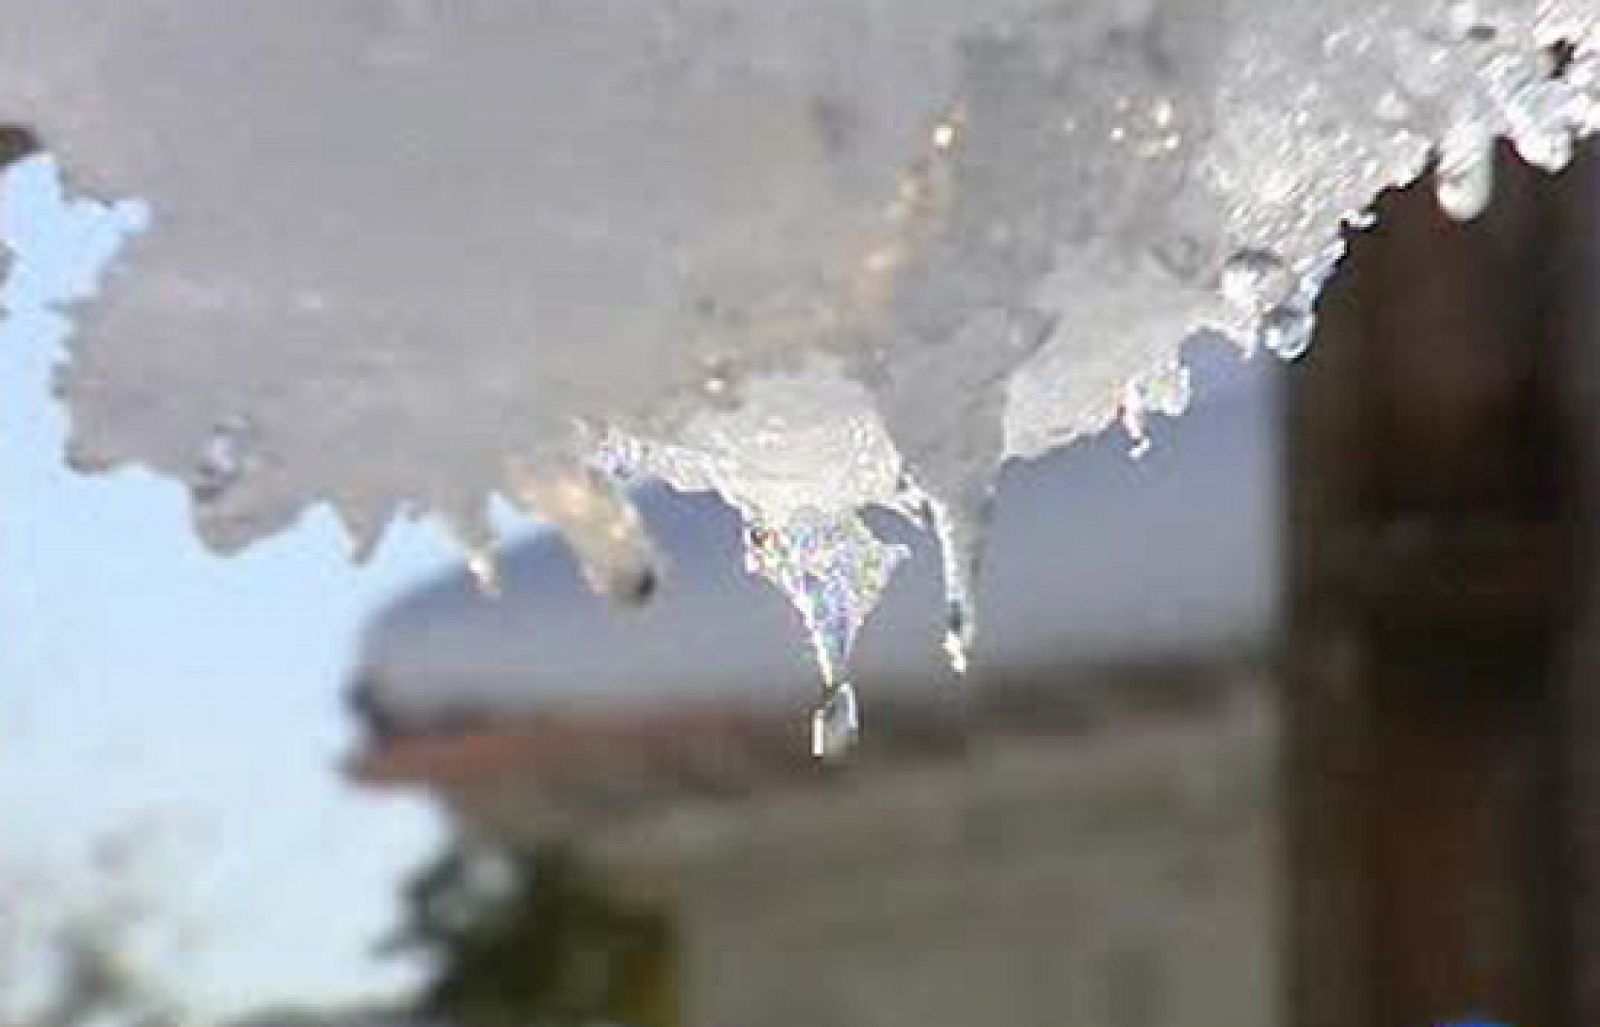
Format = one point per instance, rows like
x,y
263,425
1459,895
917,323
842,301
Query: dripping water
x,y
221,462
836,722
485,570
1287,331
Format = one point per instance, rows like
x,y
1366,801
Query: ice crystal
x,y
833,569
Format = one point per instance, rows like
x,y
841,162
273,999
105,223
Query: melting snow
x,y
814,256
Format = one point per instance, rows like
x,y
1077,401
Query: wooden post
x,y
1577,321
1435,522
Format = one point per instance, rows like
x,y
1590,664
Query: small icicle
x,y
364,524
834,570
836,723
485,570
955,648
1165,391
1464,180
478,545
1134,421
1287,331
958,550
598,521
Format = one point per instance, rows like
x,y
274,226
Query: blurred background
x,y
1277,724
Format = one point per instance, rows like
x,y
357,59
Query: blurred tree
x,y
67,948
539,939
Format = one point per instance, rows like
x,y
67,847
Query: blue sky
x,y
145,682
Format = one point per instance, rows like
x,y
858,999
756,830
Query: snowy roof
x,y
388,253
1095,555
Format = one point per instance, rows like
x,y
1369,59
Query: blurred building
x,y
1081,833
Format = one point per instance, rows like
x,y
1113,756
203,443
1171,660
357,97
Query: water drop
x,y
1543,116
1287,331
1464,181
221,461
835,723
955,650
1165,391
485,570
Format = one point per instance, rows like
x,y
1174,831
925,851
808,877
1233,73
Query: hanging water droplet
x,y
835,723
478,543
485,570
1464,180
955,651
221,461
1543,116
1165,391
717,383
1134,421
958,634
1256,279
1287,331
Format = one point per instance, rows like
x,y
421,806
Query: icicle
x,y
364,525
1134,423
834,570
599,523
478,547
1166,391
957,640
1543,116
958,533
1464,181
484,567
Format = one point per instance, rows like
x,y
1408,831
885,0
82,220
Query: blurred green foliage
x,y
539,939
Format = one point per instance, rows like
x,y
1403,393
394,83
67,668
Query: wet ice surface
x,y
817,257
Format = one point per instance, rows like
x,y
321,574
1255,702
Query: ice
x,y
1465,175
832,569
1286,331
836,723
406,255
1165,391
